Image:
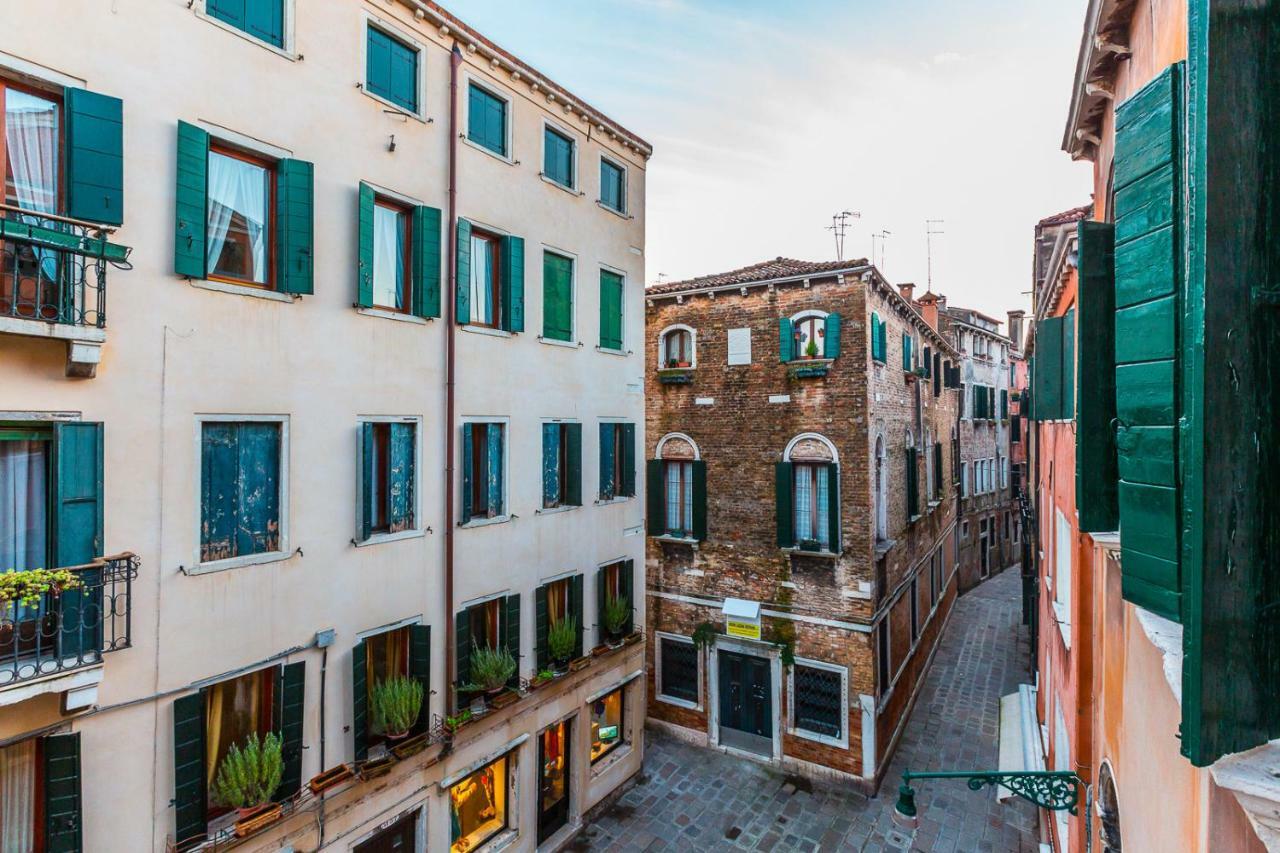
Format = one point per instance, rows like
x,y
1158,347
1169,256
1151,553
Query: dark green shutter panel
x,y
611,295
497,505
191,201
831,337
63,829
939,379
601,598
786,340
189,770
629,460
462,647
292,699
1048,379
1097,477
426,261
1148,274
1004,404
575,607
462,277
400,479
95,156
875,336
629,588
420,669
884,341
913,485
295,225
928,362
557,297
833,507
784,504
367,496
512,269
541,627
77,531
512,627
552,488
938,473
467,474
906,351
258,489
1069,365
572,490
364,253
655,497
360,700
699,499
606,461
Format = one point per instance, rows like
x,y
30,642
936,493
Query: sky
x,y
768,118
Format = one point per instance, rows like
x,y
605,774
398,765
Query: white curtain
x,y
481,276
18,797
236,186
31,137
804,503
23,513
673,497
388,258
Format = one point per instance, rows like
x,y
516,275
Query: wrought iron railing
x,y
54,269
72,629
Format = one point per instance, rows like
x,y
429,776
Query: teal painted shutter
x,y
573,489
512,268
1069,365
541,627
831,342
218,468
189,770
258,490
420,670
629,592
364,253
360,700
77,532
462,647
699,499
1097,477
784,508
575,607
367,496
63,827
606,462
94,156
426,261
628,460
467,473
1148,247
552,488
400,480
611,294
462,278
191,201
1004,404
511,626
786,340
833,506
557,297
496,503
291,683
875,337
1048,378
655,498
906,352
295,225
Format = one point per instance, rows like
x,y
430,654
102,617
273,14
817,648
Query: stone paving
x,y
692,799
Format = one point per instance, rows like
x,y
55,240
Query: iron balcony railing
x,y
54,269
72,629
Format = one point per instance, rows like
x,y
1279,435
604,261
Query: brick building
x,y
800,438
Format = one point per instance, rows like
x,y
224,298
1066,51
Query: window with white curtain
x,y
239,217
1062,574
813,504
679,477
390,238
18,791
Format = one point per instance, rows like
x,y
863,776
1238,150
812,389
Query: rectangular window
x,y
883,670
561,465
240,489
262,19
617,461
818,701
478,806
389,484
612,310
234,710
558,156
679,498
25,500
812,506
679,670
240,242
22,796
740,346
557,297
1062,574
485,620
486,289
607,720
391,69
30,146
487,119
613,186
391,242
484,489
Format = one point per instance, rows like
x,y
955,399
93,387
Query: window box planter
x,y
331,777
633,638
579,664
503,699
377,767
810,368
603,648
457,721
675,376
412,746
257,818
539,680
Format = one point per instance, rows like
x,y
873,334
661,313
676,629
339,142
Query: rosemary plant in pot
x,y
395,704
561,639
250,774
616,611
491,669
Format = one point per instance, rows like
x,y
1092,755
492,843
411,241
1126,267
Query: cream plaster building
x,y
361,405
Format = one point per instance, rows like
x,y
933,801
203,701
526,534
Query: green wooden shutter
x,y
511,627
77,531
552,488
295,226
189,794
606,461
420,669
699,499
572,490
1069,365
541,627
655,498
63,827
94,156
601,599
831,337
939,379
913,485
906,351
557,297
611,296
575,607
875,336
928,362
833,506
191,202
1048,377
497,492
629,590
462,647
1148,246
360,700
401,477
938,472
364,252
784,505
462,273
367,496
512,269
1004,404
1097,477
467,473
426,261
628,460
786,340
258,488
292,693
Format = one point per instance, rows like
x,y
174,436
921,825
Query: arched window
x,y
809,329
682,486
808,489
1108,810
676,347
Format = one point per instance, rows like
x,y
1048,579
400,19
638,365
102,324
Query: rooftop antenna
x,y
930,229
881,237
839,226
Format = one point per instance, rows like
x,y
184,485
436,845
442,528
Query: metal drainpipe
x,y
455,62
324,669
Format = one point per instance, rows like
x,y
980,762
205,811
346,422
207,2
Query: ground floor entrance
x,y
399,836
553,779
746,702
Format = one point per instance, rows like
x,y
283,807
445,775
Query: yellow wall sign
x,y
740,628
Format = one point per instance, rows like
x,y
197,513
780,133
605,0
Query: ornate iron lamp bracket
x,y
1056,790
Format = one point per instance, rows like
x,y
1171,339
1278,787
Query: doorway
x,y
553,779
984,546
746,702
401,836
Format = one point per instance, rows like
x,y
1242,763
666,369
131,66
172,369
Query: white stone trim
x,y
843,741
200,8
393,30
805,436
697,454
751,648
693,345
470,79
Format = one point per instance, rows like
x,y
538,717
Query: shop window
x,y
400,837
478,806
607,720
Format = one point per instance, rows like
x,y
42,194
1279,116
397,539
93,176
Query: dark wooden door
x,y
399,837
746,694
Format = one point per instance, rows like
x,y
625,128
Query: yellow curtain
x,y
231,715
388,656
491,623
557,601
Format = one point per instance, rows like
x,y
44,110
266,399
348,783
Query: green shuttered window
x,y
487,119
558,157
398,255
483,471
404,652
615,581
613,186
262,19
553,602
907,344
913,483
489,288
617,461
1053,377
391,69
807,506
240,489
1096,472
388,478
557,297
612,302
561,465
676,498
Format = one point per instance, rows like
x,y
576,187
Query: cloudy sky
x,y
767,118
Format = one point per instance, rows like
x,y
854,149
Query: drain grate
x,y
733,832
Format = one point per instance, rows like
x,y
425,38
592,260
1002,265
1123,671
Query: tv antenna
x,y
930,229
881,237
839,227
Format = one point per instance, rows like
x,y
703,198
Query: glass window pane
x,y
234,710
804,509
673,497
606,724
239,218
388,258
24,501
822,528
478,807
482,271
687,470
32,138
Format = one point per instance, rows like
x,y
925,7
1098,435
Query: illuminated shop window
x,y
606,724
478,807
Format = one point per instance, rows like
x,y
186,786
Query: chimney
x,y
1015,327
906,290
928,306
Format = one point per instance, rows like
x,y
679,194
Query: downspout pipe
x,y
455,63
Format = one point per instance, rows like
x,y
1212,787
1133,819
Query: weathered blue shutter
x,y
784,504
191,201
295,226
1097,478
77,532
94,156
512,268
420,670
495,487
699,490
401,478
365,250
462,647
511,627
572,490
462,277
219,466
831,337
551,487
655,498
628,460
541,628
291,686
258,504
426,261
833,506
786,340
368,497
63,825
467,473
360,700
189,795
606,462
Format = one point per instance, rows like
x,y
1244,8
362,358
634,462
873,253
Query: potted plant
x,y
395,704
616,611
561,639
28,586
457,721
543,676
811,349
491,669
247,779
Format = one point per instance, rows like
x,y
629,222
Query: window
x,y
676,490
879,334
388,471
806,488
613,186
32,133
739,346
607,719
483,471
679,498
561,465
558,156
234,710
491,624
616,581
241,489
907,344
485,621
964,479
1062,574
557,297
399,653
262,19
25,499
929,487
40,794
487,119
809,334
676,348
813,506
915,610
818,701
612,310
678,673
391,69
391,242
913,484
240,239
617,461
555,602
478,806
486,289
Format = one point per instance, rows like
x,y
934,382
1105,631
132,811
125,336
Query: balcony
x,y
57,644
53,282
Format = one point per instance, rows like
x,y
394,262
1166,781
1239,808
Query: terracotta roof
x,y
764,271
1075,214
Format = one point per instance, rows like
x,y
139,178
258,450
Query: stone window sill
x,y
676,540
486,522
801,552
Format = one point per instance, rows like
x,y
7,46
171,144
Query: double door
x,y
746,701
